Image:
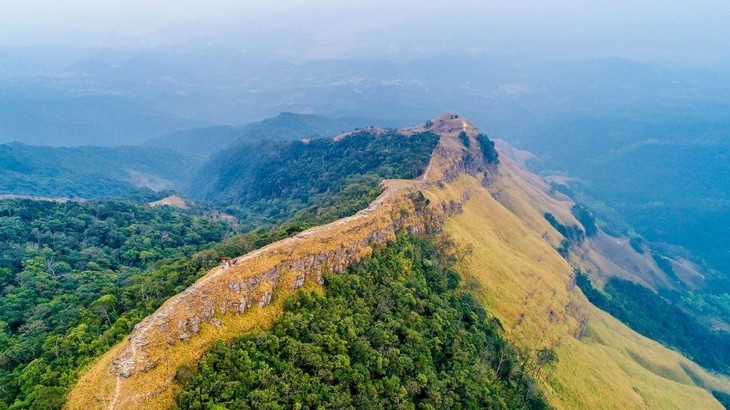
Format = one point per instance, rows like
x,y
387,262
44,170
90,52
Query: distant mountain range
x,y
122,98
89,172
202,142
164,163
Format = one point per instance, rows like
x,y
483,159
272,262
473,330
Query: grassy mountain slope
x,y
665,175
508,258
530,287
89,172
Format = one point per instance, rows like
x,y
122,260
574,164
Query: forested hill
x,y
394,332
206,141
316,180
74,279
89,172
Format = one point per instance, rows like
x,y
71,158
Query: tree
x,y
546,357
104,305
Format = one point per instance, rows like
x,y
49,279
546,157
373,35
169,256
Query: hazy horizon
x,y
678,32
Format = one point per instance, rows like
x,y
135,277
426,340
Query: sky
x,y
694,31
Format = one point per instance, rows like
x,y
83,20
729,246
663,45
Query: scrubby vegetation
x,y
491,156
656,318
393,332
465,139
304,181
586,218
571,233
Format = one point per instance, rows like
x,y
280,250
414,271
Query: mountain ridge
x,y
196,312
462,200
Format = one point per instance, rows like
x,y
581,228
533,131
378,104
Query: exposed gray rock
x,y
234,286
299,281
265,299
194,325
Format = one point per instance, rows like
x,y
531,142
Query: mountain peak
x,y
451,123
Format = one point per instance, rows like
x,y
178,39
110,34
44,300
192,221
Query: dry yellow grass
x,y
172,200
98,388
528,286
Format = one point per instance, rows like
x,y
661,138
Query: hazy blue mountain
x,y
89,172
667,177
202,142
582,117
122,97
40,115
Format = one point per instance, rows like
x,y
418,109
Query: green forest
x,y
76,276
306,181
396,331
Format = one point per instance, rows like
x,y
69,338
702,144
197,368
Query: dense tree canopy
x,y
586,218
75,277
322,178
491,156
393,332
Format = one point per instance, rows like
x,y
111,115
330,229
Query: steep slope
x,y
531,288
498,215
599,255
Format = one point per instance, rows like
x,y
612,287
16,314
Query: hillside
x,y
664,176
206,141
320,179
531,288
509,259
75,276
89,172
127,255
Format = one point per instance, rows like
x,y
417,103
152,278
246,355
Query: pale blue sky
x,y
644,30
